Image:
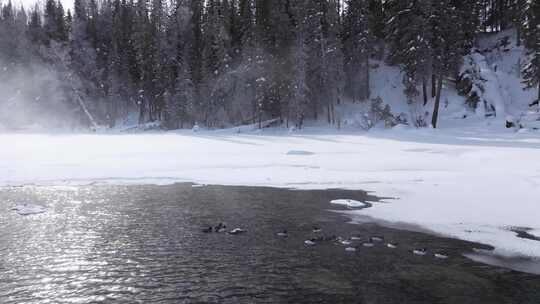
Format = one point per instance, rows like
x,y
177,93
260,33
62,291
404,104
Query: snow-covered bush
x,y
378,113
472,82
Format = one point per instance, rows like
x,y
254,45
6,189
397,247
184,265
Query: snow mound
x,y
349,203
299,152
29,209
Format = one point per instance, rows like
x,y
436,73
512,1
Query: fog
x,y
67,4
33,98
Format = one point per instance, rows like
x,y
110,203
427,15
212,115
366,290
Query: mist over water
x,y
33,98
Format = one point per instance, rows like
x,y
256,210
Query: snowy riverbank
x,y
465,183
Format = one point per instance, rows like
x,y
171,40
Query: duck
x,y
318,239
376,239
392,245
237,231
283,233
368,244
440,256
316,229
220,228
331,238
208,230
350,249
345,242
310,242
420,251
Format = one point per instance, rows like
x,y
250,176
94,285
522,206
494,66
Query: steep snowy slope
x,y
505,61
494,69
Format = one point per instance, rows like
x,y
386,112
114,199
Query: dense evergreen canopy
x,y
223,62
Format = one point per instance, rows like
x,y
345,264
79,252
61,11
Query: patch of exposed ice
x,y
29,209
349,203
299,152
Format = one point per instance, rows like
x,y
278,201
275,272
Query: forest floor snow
x,y
467,183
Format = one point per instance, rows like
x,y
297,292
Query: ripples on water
x,y
144,244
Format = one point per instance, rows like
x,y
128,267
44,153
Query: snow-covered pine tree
x,y
217,62
531,72
356,49
333,58
376,18
450,43
519,15
8,42
179,99
61,23
35,30
298,105
315,43
409,34
49,21
324,56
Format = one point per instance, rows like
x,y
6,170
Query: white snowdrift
x,y
29,209
467,184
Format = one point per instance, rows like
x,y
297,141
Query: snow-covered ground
x,y
465,183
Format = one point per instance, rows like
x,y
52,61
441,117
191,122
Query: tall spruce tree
x,y
356,48
531,73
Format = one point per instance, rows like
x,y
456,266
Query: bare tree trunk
x,y
538,96
433,85
288,114
328,114
366,79
424,90
518,42
435,116
333,114
113,113
141,112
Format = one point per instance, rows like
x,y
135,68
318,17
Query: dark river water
x,y
144,244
